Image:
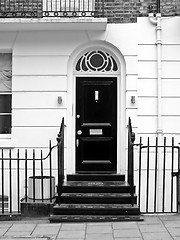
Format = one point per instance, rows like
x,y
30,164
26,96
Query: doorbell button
x,y
79,132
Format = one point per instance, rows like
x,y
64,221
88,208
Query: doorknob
x,y
79,132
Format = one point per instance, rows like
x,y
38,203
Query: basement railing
x,y
154,173
26,176
157,176
51,8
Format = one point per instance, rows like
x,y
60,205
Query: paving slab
x,y
99,223
175,232
127,233
3,231
172,223
152,228
99,229
25,238
99,236
170,217
73,226
125,225
157,236
16,234
26,227
128,238
70,238
5,225
150,220
71,234
46,230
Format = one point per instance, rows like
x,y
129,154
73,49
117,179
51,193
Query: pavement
x,y
154,227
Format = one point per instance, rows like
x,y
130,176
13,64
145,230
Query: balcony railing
x,y
51,8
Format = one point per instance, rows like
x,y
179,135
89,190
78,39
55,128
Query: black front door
x,y
96,124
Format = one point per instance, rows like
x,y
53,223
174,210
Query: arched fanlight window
x,y
96,61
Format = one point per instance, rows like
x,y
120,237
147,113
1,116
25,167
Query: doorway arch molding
x,y
121,99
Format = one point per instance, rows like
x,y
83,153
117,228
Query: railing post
x,y
50,170
34,177
18,181
147,177
178,192
60,156
26,175
42,182
155,174
131,139
2,167
140,155
10,183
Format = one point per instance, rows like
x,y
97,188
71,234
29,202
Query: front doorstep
x,y
37,208
95,198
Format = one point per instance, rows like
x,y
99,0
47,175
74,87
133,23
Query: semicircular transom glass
x,y
96,61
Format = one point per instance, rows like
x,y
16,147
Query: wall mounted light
x,y
59,100
133,99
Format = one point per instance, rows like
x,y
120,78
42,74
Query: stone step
x,y
94,218
95,177
96,186
96,198
95,209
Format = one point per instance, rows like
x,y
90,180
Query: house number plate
x,y
95,132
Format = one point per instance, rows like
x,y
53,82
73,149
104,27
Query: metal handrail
x,y
131,139
60,154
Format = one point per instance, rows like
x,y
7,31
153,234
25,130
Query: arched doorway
x,y
97,99
96,113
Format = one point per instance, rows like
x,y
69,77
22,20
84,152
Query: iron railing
x,y
131,139
17,168
158,192
60,140
152,174
51,8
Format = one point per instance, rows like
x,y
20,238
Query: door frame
x,y
70,156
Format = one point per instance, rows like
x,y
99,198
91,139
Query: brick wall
x,y
21,8
116,11
128,10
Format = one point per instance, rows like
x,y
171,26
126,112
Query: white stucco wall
x,y
42,72
147,76
147,113
40,75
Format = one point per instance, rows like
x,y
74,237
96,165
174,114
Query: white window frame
x,y
6,140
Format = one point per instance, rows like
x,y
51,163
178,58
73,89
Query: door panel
x,y
96,124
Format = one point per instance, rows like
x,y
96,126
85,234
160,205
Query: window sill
x,y
6,141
